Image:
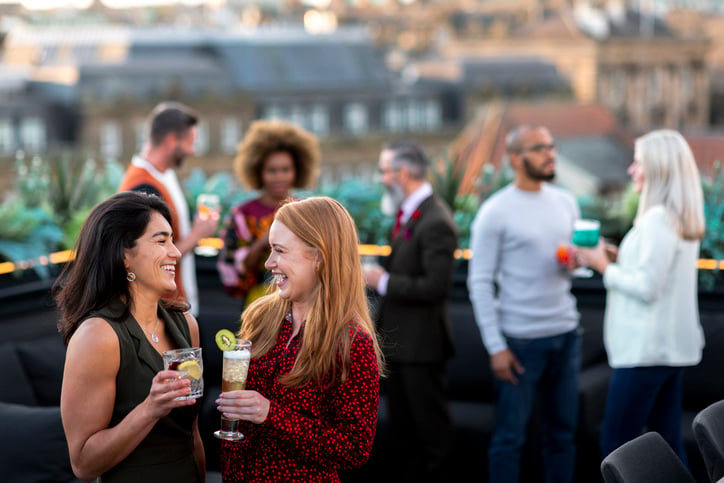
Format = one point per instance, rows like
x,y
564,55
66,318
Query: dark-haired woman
x,y
118,405
273,158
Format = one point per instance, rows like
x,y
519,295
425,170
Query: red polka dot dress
x,y
310,432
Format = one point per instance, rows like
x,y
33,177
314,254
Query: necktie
x,y
398,224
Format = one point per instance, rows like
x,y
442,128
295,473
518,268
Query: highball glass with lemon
x,y
235,366
188,362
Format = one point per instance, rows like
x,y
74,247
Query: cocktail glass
x,y
188,362
207,204
234,369
586,233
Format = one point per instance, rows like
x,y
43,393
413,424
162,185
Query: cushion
x,y
15,385
33,444
699,390
469,374
43,360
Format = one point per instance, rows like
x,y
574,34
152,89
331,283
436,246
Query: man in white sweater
x,y
524,309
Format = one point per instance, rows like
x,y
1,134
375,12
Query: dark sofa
x,y
34,448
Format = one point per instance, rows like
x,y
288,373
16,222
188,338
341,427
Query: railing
x,y
211,246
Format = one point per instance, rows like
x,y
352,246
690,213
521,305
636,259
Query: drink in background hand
x,y
586,233
188,362
207,204
233,378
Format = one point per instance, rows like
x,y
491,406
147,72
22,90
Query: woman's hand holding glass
x,y
245,405
599,256
166,386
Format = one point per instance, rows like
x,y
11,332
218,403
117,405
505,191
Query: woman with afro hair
x,y
274,157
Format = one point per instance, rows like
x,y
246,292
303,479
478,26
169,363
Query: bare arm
x,y
88,395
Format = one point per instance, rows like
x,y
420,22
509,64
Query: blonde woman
x,y
652,330
310,404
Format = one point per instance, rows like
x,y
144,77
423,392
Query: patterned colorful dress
x,y
310,432
245,224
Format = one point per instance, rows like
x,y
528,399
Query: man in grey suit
x,y
414,282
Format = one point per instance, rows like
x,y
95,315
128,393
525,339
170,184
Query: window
x,y
433,115
230,134
110,140
298,116
319,120
393,117
654,87
201,143
355,118
140,135
687,82
32,134
415,115
273,111
617,92
7,136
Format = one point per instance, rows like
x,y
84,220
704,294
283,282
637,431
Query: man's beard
x,y
177,156
392,199
535,173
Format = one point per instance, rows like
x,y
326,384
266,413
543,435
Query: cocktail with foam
x,y
235,368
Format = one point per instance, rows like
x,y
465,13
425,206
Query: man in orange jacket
x,y
171,130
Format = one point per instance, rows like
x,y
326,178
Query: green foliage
x,y
27,233
65,186
712,246
446,180
616,215
362,200
48,204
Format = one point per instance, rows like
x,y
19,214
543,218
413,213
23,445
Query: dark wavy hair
x,y
97,275
265,137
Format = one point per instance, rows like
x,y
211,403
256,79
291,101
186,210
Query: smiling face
x,y
277,174
293,264
153,259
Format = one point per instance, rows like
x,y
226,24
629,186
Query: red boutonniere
x,y
415,216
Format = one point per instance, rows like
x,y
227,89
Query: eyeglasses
x,y
539,148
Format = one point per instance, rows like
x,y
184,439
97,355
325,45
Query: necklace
x,y
154,337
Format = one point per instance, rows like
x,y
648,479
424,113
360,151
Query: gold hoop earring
x,y
131,276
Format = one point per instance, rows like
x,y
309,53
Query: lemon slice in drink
x,y
226,340
191,368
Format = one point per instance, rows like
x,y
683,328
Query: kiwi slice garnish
x,y
226,340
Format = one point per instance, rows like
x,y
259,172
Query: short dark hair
x,y
170,118
97,275
411,155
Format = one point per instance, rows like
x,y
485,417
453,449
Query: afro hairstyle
x,y
269,136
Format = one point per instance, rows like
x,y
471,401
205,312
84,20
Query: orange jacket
x,y
136,177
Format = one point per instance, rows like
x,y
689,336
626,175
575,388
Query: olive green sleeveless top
x,y
166,454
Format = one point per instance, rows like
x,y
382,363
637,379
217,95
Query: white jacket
x,y
652,313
